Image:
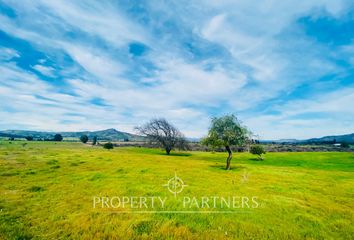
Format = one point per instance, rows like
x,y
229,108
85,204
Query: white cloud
x,y
8,53
101,66
45,70
102,19
299,118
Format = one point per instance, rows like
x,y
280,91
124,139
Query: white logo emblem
x,y
175,185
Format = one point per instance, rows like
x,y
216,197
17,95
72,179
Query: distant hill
x,y
281,141
349,138
106,135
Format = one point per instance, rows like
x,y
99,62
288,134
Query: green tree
x,y
84,138
94,140
58,138
29,138
225,132
258,150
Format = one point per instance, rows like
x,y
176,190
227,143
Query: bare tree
x,y
164,133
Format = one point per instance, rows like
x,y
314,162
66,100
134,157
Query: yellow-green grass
x,y
47,192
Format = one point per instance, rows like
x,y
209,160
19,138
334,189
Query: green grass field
x,y
47,192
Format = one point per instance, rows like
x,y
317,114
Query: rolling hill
x,y
349,138
107,135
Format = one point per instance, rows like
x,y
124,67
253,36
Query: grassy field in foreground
x,y
47,192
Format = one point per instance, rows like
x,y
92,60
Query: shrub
x,y
258,150
108,145
84,138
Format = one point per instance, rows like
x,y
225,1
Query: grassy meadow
x,y
47,190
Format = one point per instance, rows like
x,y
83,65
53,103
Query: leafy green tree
x,y
225,132
84,138
58,137
108,145
94,140
344,145
258,150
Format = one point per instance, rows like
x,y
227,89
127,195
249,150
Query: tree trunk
x,y
228,161
168,151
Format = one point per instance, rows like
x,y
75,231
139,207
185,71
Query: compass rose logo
x,y
175,185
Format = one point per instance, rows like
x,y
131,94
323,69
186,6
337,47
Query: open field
x,y
47,192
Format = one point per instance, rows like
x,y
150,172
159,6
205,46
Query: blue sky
x,y
285,68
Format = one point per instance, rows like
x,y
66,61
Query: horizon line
x,y
76,131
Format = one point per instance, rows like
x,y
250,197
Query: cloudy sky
x,y
284,67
